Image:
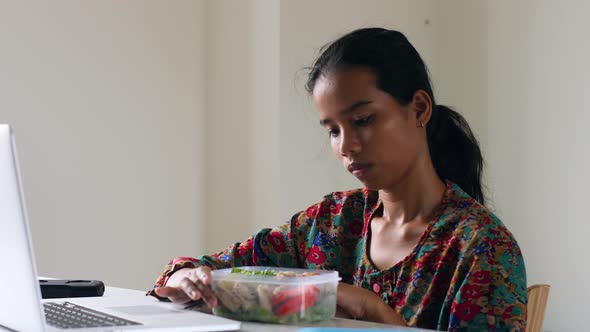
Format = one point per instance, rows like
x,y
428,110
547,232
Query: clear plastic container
x,y
275,295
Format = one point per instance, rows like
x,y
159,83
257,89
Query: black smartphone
x,y
70,288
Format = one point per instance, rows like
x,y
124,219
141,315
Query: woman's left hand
x,y
360,303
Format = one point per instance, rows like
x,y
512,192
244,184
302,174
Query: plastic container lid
x,y
275,275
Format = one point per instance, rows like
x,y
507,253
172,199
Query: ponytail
x,y
400,72
454,151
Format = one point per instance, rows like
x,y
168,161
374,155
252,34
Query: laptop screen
x,y
20,308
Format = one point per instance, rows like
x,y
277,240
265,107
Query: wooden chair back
x,y
536,306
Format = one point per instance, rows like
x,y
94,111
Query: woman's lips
x,y
359,169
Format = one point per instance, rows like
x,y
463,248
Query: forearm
x,y
220,260
238,254
381,312
363,304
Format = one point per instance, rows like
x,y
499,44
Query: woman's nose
x,y
349,144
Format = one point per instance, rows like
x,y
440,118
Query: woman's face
x,y
375,138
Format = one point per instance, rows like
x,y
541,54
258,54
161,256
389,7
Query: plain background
x,y
153,129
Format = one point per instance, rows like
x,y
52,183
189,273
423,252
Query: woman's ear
x,y
421,106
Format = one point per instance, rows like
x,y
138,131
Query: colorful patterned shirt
x,y
465,274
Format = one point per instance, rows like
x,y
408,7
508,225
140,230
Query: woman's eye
x,y
333,132
362,122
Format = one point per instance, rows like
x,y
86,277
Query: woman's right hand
x,y
187,285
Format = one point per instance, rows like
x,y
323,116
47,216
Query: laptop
x,y
22,309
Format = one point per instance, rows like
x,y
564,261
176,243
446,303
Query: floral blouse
x,y
465,274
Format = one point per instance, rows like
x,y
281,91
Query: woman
x,y
416,246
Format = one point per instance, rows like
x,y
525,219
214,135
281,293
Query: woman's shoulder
x,y
473,221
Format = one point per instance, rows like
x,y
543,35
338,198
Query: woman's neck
x,y
415,198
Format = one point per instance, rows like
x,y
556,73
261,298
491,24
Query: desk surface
x,y
260,327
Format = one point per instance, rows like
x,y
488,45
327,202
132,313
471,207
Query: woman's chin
x,y
370,185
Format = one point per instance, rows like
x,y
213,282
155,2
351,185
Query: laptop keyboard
x,y
68,316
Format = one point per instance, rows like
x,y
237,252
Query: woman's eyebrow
x,y
349,109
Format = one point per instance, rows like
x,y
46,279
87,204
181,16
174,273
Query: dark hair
x,y
400,71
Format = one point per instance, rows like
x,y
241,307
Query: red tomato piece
x,y
295,304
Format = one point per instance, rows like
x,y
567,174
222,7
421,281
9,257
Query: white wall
x,y
538,73
124,98
106,101
242,119
460,66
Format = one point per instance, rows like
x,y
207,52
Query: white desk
x,y
259,327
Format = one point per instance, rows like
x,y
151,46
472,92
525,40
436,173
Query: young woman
x,y
416,246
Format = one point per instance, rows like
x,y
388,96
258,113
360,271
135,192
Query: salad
x,y
275,295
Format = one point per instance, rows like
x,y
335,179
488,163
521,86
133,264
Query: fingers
x,y
191,285
204,274
174,294
197,286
